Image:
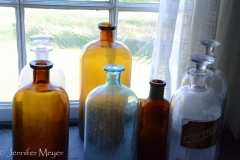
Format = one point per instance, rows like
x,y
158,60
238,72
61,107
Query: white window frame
x,y
114,7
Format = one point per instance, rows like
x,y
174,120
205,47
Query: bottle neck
x,y
106,35
114,79
41,76
156,92
208,50
198,87
199,79
42,55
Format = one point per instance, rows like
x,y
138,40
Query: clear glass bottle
x,y
40,117
41,51
153,122
111,119
218,81
96,54
194,116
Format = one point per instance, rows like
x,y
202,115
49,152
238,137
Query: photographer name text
x,y
41,153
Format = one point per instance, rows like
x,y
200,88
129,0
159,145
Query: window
x,y
72,23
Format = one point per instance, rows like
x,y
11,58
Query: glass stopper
x,y
201,61
209,44
41,43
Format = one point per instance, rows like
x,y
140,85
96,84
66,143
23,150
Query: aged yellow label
x,y
199,135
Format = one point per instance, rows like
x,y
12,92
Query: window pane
x,y
8,55
137,31
140,1
71,30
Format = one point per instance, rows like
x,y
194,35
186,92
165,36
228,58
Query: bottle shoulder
x,y
150,103
188,91
150,100
194,104
218,73
97,45
188,95
42,88
112,91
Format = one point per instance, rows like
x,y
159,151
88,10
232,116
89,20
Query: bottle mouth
x,y
106,26
194,72
41,64
114,68
157,82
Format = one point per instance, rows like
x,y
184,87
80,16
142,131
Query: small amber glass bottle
x,y
40,117
153,123
96,54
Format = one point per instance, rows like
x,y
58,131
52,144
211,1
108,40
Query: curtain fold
x,y
181,24
163,42
228,60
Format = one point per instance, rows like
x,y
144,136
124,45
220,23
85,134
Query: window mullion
x,y
20,37
113,17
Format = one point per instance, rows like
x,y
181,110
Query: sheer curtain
x,y
180,25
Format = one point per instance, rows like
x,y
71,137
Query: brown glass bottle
x,y
153,123
40,118
95,56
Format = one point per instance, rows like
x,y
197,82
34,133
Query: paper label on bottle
x,y
199,135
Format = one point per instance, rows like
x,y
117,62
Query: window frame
x,y
113,6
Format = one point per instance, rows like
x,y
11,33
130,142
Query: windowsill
x,y
229,146
6,111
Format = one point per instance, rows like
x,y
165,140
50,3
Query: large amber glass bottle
x,y
153,123
95,56
40,117
111,119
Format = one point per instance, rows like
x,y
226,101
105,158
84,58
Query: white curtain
x,y
181,24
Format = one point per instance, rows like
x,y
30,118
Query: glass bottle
x,y
40,117
218,81
111,119
95,56
194,115
153,122
41,51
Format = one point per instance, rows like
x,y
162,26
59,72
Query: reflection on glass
x,y
137,31
70,30
8,54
